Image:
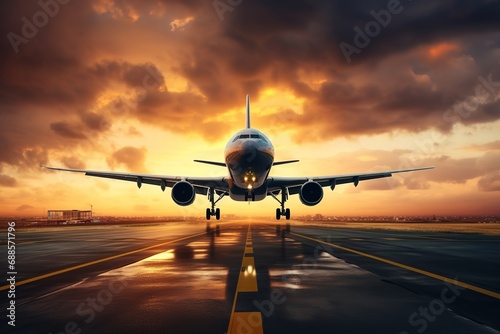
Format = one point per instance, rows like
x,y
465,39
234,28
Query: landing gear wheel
x,y
217,230
213,211
278,214
282,211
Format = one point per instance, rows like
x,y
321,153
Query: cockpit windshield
x,y
247,136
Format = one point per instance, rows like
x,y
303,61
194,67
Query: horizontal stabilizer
x,y
220,164
284,162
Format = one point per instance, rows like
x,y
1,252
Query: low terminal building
x,y
75,216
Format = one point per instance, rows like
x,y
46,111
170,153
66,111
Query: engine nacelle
x,y
311,193
183,193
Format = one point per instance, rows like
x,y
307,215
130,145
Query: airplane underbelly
x,y
243,195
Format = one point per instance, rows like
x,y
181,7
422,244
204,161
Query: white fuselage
x,y
249,156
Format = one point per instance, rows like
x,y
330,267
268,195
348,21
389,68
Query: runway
x,y
176,278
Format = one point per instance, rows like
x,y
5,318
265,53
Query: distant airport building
x,y
69,215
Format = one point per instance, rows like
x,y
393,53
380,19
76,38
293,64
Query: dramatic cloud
x,y
67,130
73,162
101,74
133,158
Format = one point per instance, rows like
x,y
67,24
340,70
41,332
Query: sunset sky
x,y
148,86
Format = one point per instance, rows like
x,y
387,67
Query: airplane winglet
x,y
248,111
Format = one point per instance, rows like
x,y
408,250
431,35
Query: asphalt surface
x,y
176,278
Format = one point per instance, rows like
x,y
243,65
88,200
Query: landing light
x,y
253,178
249,186
245,178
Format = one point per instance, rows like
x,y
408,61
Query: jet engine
x,y
311,193
183,193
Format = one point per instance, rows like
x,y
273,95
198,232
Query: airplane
x,y
249,157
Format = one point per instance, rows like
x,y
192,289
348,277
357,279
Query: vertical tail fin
x,y
248,111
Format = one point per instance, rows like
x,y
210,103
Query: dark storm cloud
x,y
146,76
178,112
309,30
95,121
90,47
371,95
67,130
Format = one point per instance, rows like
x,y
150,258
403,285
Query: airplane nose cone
x,y
249,144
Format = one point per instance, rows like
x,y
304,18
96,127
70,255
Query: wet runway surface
x,y
174,278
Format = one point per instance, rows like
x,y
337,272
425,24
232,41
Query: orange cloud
x,y
441,49
94,84
133,158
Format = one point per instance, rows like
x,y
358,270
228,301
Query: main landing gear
x,y
213,211
282,211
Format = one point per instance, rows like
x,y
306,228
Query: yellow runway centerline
x,y
246,322
410,268
83,265
247,282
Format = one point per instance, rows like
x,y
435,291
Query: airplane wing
x,y
201,184
293,184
